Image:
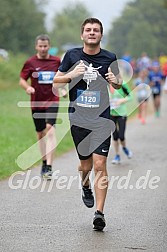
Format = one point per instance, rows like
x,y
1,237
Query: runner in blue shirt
x,y
156,80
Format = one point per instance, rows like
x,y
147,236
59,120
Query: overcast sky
x,y
105,10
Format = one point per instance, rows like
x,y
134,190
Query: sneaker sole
x,y
130,156
118,162
46,177
99,224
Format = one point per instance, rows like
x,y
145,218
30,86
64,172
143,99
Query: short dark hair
x,y
92,21
42,37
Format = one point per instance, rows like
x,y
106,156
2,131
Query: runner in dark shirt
x,y
91,69
156,80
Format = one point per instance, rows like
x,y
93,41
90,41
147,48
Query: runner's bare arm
x,y
61,79
26,86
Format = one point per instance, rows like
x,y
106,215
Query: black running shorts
x,y
88,142
46,116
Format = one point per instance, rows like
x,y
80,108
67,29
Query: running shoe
x,y
43,169
116,160
143,121
87,197
157,113
98,221
47,172
127,152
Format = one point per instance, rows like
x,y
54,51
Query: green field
x,y
17,129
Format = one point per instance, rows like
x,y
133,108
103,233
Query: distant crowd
x,y
151,72
145,62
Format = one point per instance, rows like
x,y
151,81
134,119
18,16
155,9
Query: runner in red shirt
x,y
40,69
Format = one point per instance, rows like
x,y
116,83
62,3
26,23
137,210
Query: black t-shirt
x,y
88,104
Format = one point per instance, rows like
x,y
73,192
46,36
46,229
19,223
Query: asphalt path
x,y
39,216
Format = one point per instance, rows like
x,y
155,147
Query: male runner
x,y
89,71
41,68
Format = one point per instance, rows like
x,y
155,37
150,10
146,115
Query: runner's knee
x,y
100,165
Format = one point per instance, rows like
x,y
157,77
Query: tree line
x,y
141,27
21,22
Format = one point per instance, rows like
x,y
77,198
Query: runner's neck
x,y
91,50
46,57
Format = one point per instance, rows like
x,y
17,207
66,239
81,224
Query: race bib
x,y
142,94
155,90
45,77
114,104
88,99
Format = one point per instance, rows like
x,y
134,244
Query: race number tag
x,y
155,90
88,99
114,104
45,77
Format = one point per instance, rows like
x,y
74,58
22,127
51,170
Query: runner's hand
x,y
64,92
112,79
30,90
78,70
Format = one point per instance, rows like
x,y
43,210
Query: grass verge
x,y
17,131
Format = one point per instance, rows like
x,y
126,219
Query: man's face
x,y
91,34
155,69
42,48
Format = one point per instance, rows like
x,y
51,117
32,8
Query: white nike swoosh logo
x,y
37,68
104,150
